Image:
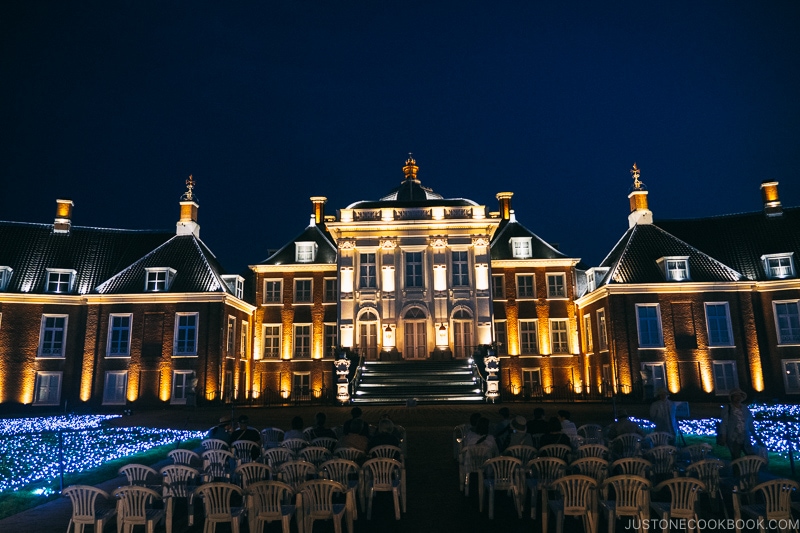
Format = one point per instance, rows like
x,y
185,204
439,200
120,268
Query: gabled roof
x,y
95,254
508,229
634,258
739,240
196,269
326,250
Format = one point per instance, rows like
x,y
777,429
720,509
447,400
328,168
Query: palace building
x,y
111,317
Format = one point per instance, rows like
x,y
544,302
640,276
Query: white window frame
x,y
176,343
416,276
180,387
715,367
532,379
43,332
5,277
521,247
779,266
273,337
532,295
588,347
660,332
111,329
528,336
552,288
676,268
793,331
58,273
719,321
301,297
52,399
559,336
367,270
459,268
791,372
235,283
273,291
658,375
158,279
115,399
305,252
230,337
298,335
244,339
305,381
498,292
602,330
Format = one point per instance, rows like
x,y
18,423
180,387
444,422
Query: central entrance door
x,y
462,334
368,335
416,341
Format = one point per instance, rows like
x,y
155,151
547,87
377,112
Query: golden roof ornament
x,y
411,168
189,195
637,183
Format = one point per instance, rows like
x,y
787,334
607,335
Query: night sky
x,y
114,104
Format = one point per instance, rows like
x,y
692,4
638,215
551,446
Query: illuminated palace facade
x,y
106,317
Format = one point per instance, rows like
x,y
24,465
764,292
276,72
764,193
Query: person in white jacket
x,y
737,431
662,414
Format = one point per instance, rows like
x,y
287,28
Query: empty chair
x,y
503,473
459,432
351,454
248,473
661,438
745,471
315,455
88,507
543,470
137,474
591,433
708,471
594,467
626,445
271,437
245,451
633,466
179,482
184,457
325,442
387,450
471,462
695,452
293,473
318,503
308,433
269,501
382,474
594,450
275,457
214,444
562,451
775,503
218,506
625,495
344,472
683,497
294,445
578,494
217,465
135,508
523,452
663,459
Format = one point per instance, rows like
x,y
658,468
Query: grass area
x,y
12,503
778,465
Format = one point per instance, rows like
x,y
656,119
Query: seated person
x,y
355,438
221,431
519,432
297,429
472,433
538,426
623,425
484,438
555,435
355,413
385,435
319,429
245,432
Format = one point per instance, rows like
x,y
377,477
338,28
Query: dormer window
x,y
158,279
305,252
59,280
594,276
675,268
778,266
235,284
5,276
521,247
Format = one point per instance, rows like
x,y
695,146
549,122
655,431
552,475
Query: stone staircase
x,y
424,381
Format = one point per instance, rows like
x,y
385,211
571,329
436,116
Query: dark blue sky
x,y
114,104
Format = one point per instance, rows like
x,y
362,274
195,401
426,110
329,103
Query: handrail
x,y
356,375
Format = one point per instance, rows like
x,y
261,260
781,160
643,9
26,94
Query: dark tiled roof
x,y
739,240
634,258
411,193
196,269
501,242
326,251
95,254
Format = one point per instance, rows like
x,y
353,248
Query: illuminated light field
x,y
33,456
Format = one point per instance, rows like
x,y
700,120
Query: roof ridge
x,y
613,269
145,256
197,242
731,270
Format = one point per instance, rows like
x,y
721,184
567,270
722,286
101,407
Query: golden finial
x,y
411,168
637,184
188,195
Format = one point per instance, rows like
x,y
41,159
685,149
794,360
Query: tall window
x,y
414,270
305,251
59,281
602,333
555,286
272,340
791,375
460,269
521,247
718,321
244,340
462,333
367,274
186,334
778,266
302,291
331,338
158,279
525,286
528,336
181,383
787,322
119,335
53,335
655,375
272,291
532,381
498,287
115,387
47,389
725,378
587,333
301,385
648,318
331,290
500,337
302,340
231,336
558,336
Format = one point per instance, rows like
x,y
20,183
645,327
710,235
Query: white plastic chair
x,y
695,452
631,498
248,473
184,457
214,444
471,462
271,437
351,454
325,442
775,504
503,473
745,471
135,508
523,452
663,459
294,445
382,474
295,473
179,482
269,501
544,471
683,497
275,457
661,438
347,473
578,494
591,433
315,455
562,451
85,510
626,445
142,475
244,450
594,450
708,471
594,467
632,466
217,505
217,465
317,504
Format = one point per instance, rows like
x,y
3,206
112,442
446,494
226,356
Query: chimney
x,y
505,204
187,225
640,214
319,209
772,203
63,220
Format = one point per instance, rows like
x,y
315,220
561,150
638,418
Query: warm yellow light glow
x,y
388,338
437,213
27,385
512,329
516,383
133,384
317,335
485,333
346,215
439,278
286,385
482,277
441,335
387,214
757,375
387,278
316,385
165,383
347,336
346,279
287,333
